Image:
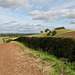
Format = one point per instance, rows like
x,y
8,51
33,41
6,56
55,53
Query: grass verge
x,y
48,63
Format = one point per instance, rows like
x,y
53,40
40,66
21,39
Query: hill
x,y
59,33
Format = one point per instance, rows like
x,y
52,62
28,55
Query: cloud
x,y
51,16
70,14
73,22
61,4
48,16
20,28
39,0
39,7
36,12
15,3
11,22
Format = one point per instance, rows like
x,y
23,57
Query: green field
x,y
59,33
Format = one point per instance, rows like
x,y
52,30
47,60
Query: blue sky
x,y
32,16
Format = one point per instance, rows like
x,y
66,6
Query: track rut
x,y
13,61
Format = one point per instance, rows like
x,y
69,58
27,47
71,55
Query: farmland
x,y
59,33
37,37
49,52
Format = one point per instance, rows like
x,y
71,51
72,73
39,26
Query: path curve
x,y
13,61
0,41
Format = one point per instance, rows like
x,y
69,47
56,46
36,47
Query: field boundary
x,y
48,63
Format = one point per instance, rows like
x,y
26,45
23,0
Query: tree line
x,y
53,32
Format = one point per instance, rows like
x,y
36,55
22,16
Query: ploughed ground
x,y
13,61
69,35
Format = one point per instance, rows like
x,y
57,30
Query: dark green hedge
x,y
60,47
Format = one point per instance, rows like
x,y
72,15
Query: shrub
x,y
60,47
46,30
48,34
9,40
50,31
41,31
53,33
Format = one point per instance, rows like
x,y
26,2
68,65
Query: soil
x,y
13,61
0,41
69,35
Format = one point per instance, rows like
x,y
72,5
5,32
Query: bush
x,y
60,47
48,34
46,30
9,40
41,31
49,31
53,33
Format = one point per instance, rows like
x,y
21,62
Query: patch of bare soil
x,y
0,41
13,61
69,35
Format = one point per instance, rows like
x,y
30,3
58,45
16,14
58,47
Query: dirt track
x,y
13,61
0,41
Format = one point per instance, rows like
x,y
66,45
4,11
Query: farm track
x,y
13,61
0,41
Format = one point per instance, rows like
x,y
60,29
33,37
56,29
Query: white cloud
x,y
35,12
61,4
39,7
15,3
49,15
39,0
73,22
18,28
70,14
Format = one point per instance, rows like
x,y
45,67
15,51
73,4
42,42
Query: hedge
x,y
60,47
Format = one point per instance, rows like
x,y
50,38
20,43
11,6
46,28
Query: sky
x,y
33,16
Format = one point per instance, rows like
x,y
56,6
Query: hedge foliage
x,y
12,35
60,47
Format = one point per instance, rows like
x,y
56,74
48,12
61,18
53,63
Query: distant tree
x,y
48,34
50,31
59,28
53,33
41,31
46,30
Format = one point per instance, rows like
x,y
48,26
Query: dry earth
x,y
69,35
0,41
13,61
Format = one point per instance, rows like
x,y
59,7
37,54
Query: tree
x,y
53,33
46,30
50,31
41,31
59,28
48,34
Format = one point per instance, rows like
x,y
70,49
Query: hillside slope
x,y
59,33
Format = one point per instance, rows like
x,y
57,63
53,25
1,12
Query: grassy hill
x,y
59,33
